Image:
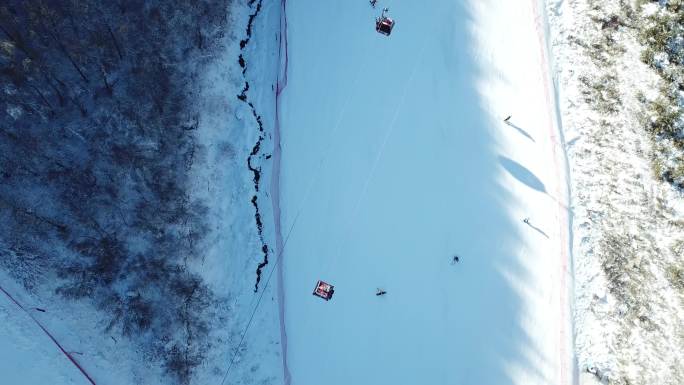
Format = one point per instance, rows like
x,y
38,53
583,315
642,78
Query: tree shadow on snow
x,y
522,174
537,229
520,130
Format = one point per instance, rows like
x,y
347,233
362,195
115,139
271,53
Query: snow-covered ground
x,y
27,355
628,317
230,135
394,159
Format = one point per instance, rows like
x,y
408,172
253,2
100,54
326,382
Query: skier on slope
x,y
373,2
380,292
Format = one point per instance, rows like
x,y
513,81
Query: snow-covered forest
x,y
99,120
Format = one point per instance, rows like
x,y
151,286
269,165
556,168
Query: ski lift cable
x,y
308,191
388,132
385,5
261,296
300,208
326,151
378,156
326,266
304,199
329,145
361,69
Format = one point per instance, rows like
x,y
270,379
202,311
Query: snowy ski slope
x,y
395,158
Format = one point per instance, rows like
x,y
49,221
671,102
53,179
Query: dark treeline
x,y
97,128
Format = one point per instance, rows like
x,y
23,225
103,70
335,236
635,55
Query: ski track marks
x,y
562,217
40,325
281,83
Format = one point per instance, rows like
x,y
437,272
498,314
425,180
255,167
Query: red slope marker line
x,y
69,356
282,50
561,214
281,83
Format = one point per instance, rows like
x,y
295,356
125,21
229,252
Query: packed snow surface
x,y
395,158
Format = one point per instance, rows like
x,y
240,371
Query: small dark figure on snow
x,y
380,292
526,220
507,119
455,259
373,2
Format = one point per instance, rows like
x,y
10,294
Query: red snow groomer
x,y
384,24
324,290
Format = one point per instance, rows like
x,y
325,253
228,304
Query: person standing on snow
x,y
455,259
373,2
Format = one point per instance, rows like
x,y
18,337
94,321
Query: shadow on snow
x,y
522,174
521,131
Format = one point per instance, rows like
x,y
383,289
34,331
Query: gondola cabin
x,y
384,25
324,290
